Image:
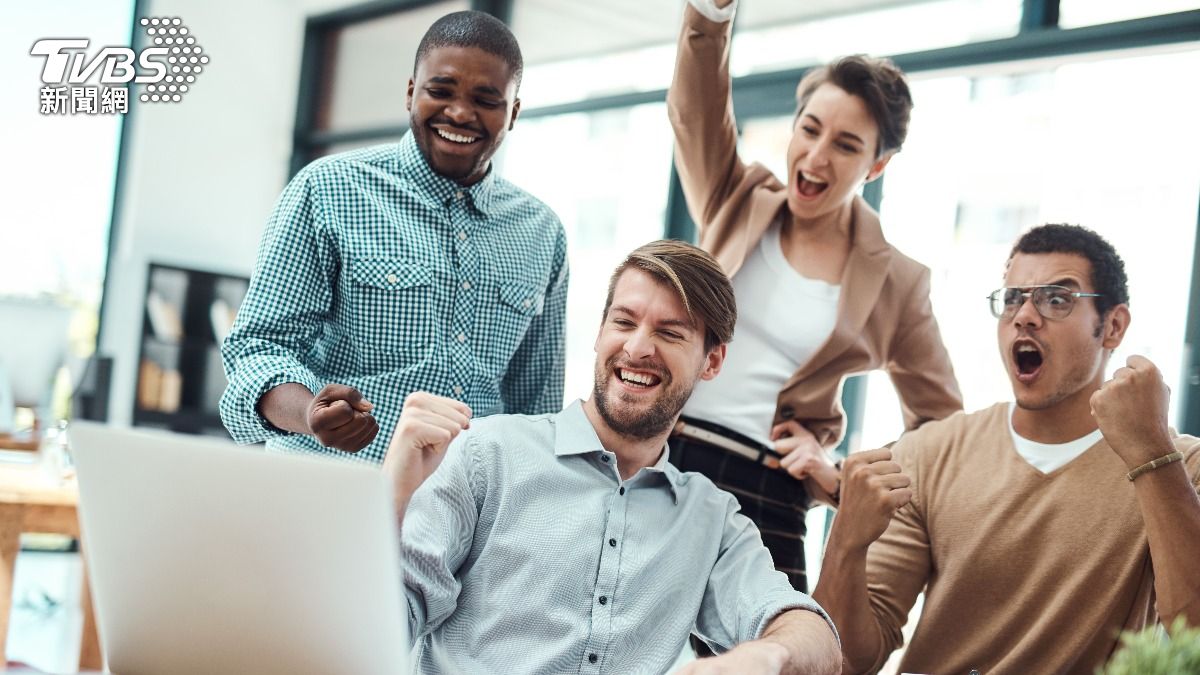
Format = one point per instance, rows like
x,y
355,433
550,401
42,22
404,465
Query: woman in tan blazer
x,y
821,294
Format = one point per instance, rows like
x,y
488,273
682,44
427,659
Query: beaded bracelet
x,y
1154,464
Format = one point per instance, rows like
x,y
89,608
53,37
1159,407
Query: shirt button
x,y
458,194
604,599
592,658
527,304
612,542
461,337
458,390
622,491
604,458
462,236
466,286
392,278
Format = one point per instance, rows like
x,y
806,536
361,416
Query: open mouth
x,y
454,136
637,379
1027,357
810,186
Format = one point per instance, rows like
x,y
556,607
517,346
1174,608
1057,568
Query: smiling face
x,y
461,103
831,153
1052,362
649,355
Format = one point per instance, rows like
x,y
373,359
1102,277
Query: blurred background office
x,y
143,228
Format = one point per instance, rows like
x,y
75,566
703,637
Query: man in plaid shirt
x,y
402,268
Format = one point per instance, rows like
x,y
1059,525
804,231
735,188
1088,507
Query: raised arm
x,y
1131,411
436,536
700,106
869,599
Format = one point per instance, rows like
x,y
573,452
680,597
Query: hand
x,y
427,425
339,417
873,489
749,657
1131,411
803,456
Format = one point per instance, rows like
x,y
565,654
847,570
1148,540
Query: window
x,y
606,175
990,156
61,171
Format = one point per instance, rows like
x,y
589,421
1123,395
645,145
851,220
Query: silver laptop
x,y
208,558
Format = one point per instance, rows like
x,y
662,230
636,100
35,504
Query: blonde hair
x,y
697,279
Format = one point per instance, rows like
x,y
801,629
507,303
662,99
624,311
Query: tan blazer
x,y
885,320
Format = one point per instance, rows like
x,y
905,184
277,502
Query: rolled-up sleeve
x,y
745,591
439,526
283,313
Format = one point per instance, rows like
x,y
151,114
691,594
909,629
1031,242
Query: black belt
x,y
725,438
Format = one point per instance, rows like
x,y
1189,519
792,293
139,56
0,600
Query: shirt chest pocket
x,y
508,308
392,310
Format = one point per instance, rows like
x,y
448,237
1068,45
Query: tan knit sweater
x,y
1027,572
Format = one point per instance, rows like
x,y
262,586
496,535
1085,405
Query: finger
x,y
787,445
447,407
448,419
869,456
363,437
799,470
883,468
894,481
352,423
331,416
339,392
785,429
899,498
1139,362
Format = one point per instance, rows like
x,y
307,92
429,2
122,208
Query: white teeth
x,y
1026,348
635,377
812,179
455,137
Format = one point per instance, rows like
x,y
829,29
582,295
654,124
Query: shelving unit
x,y
180,379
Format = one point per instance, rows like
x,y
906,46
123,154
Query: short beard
x,y
656,421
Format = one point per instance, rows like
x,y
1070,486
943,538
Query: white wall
x,y
202,175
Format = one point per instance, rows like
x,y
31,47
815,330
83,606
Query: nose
x,y
639,345
818,153
1027,314
459,111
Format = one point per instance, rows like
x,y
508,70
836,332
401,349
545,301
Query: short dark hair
x,y
878,82
702,285
1108,270
474,29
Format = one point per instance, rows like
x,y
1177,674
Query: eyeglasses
x,y
1052,302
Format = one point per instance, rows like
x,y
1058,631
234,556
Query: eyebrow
x,y
847,134
481,89
665,322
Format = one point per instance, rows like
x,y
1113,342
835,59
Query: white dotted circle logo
x,y
178,48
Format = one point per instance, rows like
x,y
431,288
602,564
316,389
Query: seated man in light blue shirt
x,y
566,542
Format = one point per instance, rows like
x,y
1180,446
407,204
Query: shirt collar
x,y
575,435
443,190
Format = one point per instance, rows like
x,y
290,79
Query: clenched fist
x,y
873,489
427,425
1131,411
339,417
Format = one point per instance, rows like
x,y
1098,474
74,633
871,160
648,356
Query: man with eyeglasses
x,y
1040,529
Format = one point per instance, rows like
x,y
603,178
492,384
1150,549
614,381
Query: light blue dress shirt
x,y
525,552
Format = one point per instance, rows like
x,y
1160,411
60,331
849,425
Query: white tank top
x,y
783,318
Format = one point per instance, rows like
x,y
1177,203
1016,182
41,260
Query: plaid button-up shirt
x,y
378,273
